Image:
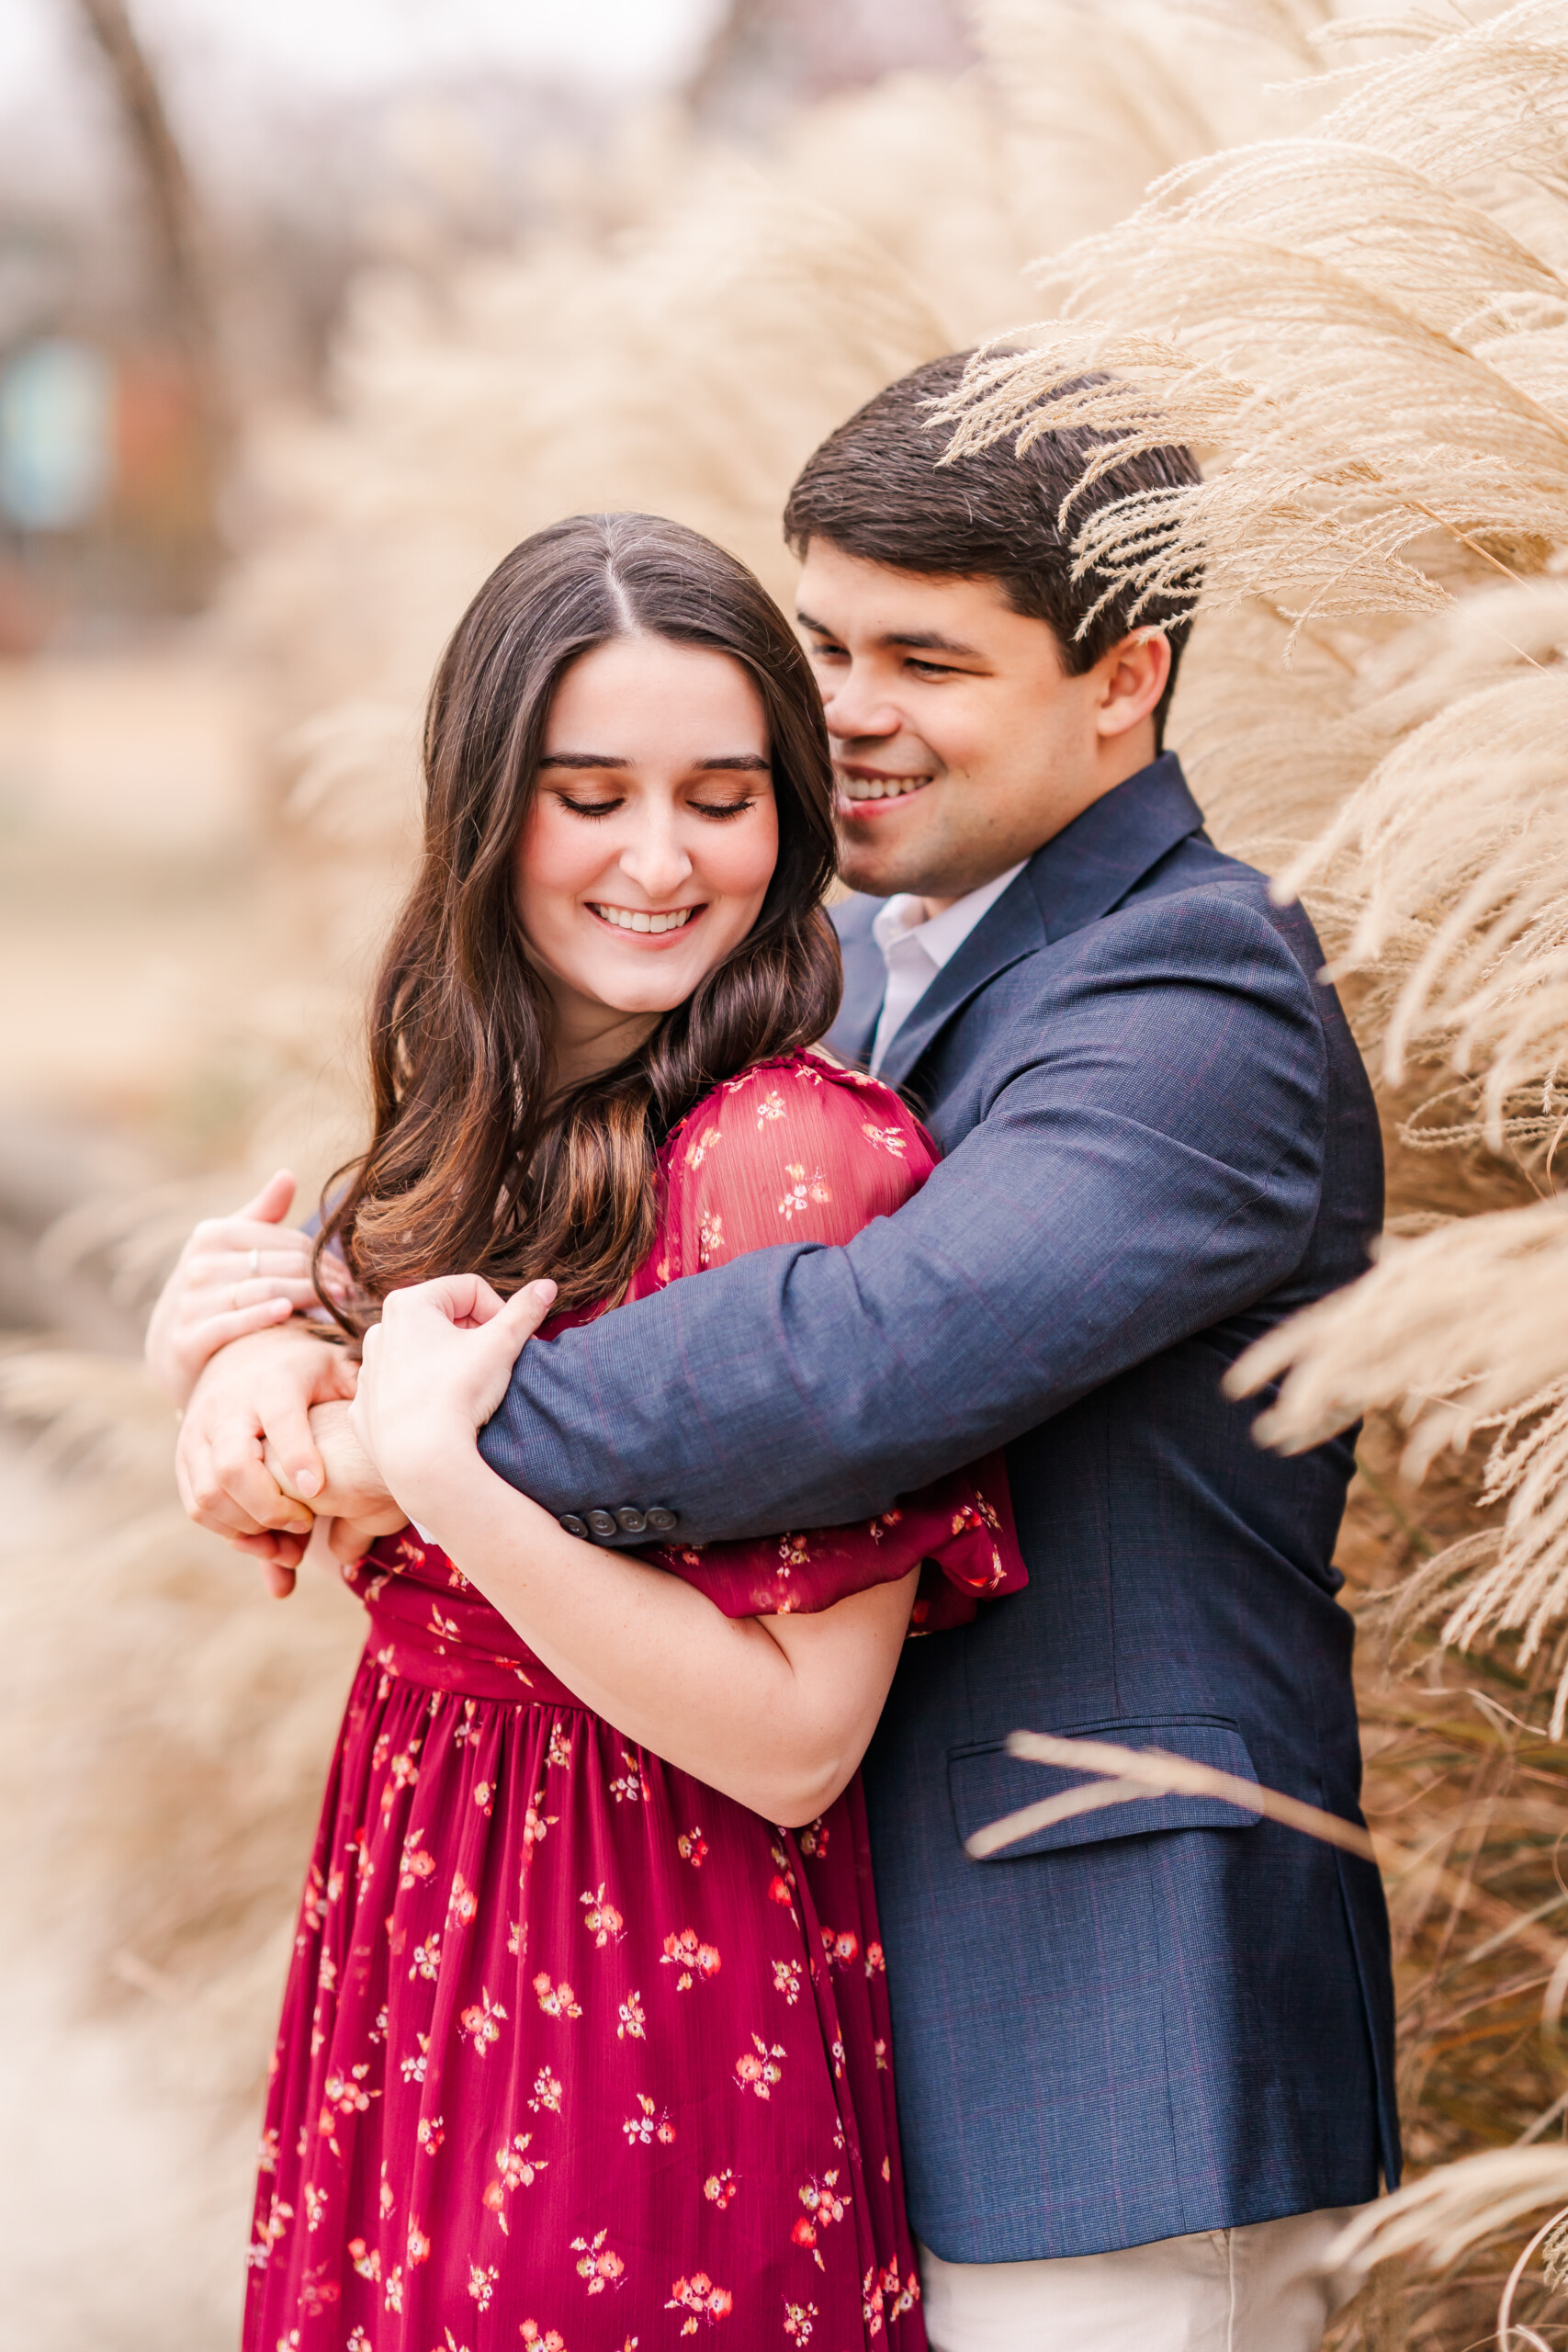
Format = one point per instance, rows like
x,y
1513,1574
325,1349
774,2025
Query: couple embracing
x,y
734,1461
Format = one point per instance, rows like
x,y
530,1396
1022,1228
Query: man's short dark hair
x,y
875,488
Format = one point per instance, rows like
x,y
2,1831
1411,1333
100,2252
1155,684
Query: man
x,y
1143,2057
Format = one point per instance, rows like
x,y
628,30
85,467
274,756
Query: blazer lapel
x,y
1085,871
865,981
1011,928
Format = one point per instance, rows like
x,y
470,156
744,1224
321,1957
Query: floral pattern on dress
x,y
578,2053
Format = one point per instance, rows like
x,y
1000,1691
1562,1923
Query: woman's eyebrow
x,y
750,760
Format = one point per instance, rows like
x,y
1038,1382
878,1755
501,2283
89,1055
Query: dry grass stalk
x,y
1464,1794
1443,2216
1136,1774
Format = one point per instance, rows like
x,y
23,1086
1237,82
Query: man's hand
x,y
235,1277
255,1393
354,1498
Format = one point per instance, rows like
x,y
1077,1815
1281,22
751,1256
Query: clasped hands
x,y
282,1429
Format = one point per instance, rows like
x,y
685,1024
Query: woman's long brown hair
x,y
474,1166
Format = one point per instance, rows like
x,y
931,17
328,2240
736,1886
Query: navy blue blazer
x,y
1159,1140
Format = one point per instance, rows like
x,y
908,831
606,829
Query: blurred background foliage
x,y
305,318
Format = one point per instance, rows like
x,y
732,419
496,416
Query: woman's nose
x,y
657,862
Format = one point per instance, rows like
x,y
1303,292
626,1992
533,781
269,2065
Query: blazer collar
x,y
1084,871
1092,864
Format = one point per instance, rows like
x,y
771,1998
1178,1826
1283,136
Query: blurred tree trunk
x,y
182,295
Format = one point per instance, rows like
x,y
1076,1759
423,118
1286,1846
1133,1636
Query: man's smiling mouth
x,y
879,788
635,919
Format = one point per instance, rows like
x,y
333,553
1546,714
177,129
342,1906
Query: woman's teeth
x,y
625,918
877,788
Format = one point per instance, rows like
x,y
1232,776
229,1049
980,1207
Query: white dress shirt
x,y
914,946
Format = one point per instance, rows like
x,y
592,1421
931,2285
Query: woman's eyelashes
x,y
722,810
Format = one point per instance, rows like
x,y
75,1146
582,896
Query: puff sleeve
x,y
803,1150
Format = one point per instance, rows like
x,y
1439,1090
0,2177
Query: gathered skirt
x,y
576,2053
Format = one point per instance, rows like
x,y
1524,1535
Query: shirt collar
x,y
937,936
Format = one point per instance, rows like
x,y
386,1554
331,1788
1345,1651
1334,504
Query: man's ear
x,y
1132,677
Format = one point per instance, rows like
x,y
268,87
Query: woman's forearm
x,y
776,1712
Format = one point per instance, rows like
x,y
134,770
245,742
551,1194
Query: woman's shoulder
x,y
793,1148
809,1090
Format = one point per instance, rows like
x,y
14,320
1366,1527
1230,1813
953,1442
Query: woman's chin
x,y
639,983
658,992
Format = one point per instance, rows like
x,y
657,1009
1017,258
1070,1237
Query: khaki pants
x,y
1260,2289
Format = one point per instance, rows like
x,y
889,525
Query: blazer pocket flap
x,y
986,1783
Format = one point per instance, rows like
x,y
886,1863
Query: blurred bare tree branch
x,y
175,228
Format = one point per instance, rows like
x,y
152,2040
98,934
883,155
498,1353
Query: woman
x,y
580,2048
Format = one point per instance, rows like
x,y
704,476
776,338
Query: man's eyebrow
x,y
930,640
922,640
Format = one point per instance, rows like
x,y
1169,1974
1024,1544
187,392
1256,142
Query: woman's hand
x,y
253,1394
235,1276
435,1368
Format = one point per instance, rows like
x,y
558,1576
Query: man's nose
x,y
858,708
656,861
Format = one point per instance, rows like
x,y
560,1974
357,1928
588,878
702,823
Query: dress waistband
x,y
424,1631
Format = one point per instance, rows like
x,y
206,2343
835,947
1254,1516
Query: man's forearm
x,y
1117,1197
796,1406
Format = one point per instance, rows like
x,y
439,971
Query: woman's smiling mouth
x,y
637,919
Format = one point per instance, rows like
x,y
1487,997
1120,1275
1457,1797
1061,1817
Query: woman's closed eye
x,y
591,808
723,809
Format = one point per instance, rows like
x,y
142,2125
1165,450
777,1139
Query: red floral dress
x,y
578,2055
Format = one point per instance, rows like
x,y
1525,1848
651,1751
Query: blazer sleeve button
x,y
572,1525
630,1521
603,1522
659,1519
